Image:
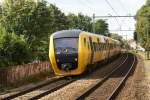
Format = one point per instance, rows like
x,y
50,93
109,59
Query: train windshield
x,y
66,45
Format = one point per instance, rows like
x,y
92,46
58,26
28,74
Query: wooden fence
x,y
15,73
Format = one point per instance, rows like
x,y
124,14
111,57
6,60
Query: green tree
x,y
28,18
13,49
35,21
80,21
60,21
101,27
148,2
143,24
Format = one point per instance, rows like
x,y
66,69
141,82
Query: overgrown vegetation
x,y
25,27
142,33
13,49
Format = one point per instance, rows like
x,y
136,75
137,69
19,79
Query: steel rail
x,y
99,83
51,90
118,88
54,89
52,80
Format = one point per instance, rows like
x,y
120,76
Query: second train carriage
x,y
71,51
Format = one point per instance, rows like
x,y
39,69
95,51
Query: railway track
x,y
109,87
49,86
71,91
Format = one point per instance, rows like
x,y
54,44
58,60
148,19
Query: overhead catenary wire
x,y
84,3
113,11
125,10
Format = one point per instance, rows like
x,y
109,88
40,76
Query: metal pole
x,y
136,42
127,42
147,42
93,23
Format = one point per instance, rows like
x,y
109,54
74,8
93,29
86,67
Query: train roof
x,y
75,33
66,33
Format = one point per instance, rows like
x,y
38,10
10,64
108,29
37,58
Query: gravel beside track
x,y
72,90
137,86
33,88
26,87
40,90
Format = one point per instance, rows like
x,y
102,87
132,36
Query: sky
x,y
105,8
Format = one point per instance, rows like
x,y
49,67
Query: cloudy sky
x,y
105,7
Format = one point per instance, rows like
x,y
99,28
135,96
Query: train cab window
x,y
66,45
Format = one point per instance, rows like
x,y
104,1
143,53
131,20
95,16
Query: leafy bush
x,y
13,49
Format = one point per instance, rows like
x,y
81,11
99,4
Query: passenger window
x,y
102,46
85,41
98,40
99,46
94,47
88,45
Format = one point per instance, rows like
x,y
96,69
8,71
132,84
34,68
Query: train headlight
x,y
75,59
57,60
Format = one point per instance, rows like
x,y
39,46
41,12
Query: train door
x,y
92,51
108,44
106,50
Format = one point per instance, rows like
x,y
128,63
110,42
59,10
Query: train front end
x,y
63,52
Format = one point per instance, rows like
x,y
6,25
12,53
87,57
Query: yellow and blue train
x,y
72,51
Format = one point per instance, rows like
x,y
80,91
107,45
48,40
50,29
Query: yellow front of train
x,y
63,53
